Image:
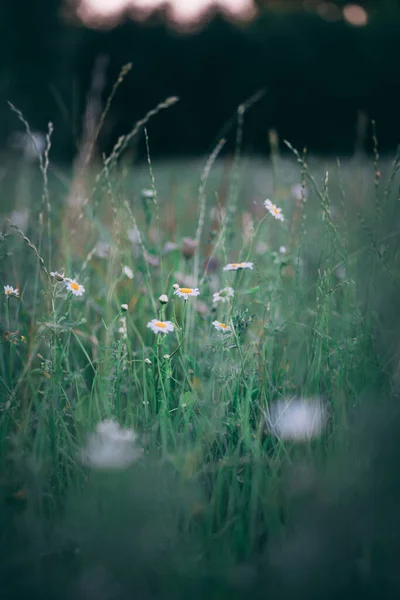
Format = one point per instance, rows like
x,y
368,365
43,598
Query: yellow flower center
x,y
237,264
186,290
224,326
8,292
275,210
75,286
161,324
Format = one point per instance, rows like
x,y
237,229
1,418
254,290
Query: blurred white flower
x,y
123,329
58,276
297,419
124,307
237,266
223,295
298,192
148,194
163,299
340,272
32,146
133,235
127,271
170,247
261,248
110,447
102,250
20,218
282,249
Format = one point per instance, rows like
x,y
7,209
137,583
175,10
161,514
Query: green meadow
x,y
162,448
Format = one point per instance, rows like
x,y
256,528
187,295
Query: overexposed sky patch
x,y
183,14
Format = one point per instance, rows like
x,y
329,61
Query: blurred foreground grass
x,y
203,498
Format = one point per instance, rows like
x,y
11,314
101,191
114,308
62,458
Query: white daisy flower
x,y
185,292
297,418
74,287
223,295
10,291
160,326
58,276
221,327
127,271
110,447
237,266
274,210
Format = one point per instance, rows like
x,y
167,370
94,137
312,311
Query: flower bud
x,y
189,246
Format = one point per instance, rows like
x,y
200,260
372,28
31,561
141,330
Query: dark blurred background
x,y
326,68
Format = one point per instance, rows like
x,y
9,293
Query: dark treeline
x,y
318,76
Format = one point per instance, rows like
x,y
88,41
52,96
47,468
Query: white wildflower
x,y
74,287
102,250
163,299
274,210
148,194
170,247
58,276
298,192
237,266
297,418
223,295
123,329
221,327
10,291
110,446
186,292
20,218
160,326
127,271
